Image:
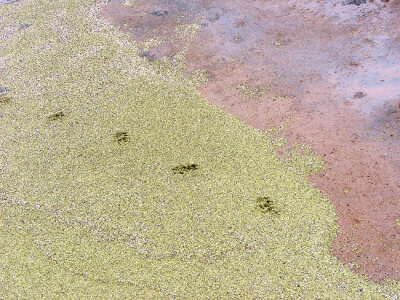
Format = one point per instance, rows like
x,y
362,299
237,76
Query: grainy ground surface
x,y
329,71
120,180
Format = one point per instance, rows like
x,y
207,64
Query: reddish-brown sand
x,y
332,72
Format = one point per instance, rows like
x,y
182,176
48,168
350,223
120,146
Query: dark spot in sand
x,y
266,205
214,18
354,64
121,136
24,26
159,13
182,169
148,55
359,95
56,116
239,24
237,39
356,2
3,90
368,41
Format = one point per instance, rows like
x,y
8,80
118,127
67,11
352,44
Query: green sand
x,y
99,194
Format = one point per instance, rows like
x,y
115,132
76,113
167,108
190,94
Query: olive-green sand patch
x,y
83,217
266,205
56,116
121,136
182,169
4,99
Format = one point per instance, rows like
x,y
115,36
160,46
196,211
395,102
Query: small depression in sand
x,y
330,70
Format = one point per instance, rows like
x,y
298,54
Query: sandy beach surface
x,y
141,158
